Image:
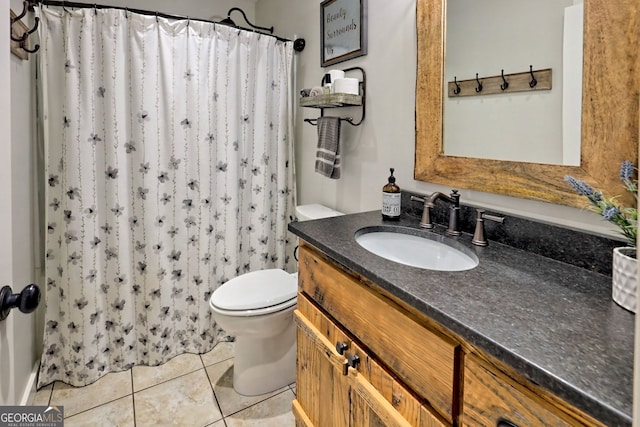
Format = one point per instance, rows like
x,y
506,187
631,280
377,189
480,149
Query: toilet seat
x,y
256,293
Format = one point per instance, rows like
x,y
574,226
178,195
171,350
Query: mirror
x,y
510,120
611,81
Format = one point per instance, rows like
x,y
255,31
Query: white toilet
x,y
257,308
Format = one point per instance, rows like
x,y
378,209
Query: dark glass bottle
x,y
391,199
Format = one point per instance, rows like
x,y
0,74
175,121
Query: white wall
x,y
387,137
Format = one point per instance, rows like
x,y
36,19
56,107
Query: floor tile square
x,y
222,351
184,401
43,396
221,377
273,412
147,376
117,413
78,399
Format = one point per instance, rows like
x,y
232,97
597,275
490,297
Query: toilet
x,y
257,308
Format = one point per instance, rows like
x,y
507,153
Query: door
x,y
19,347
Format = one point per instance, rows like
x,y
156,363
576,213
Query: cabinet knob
x,y
341,347
353,360
505,423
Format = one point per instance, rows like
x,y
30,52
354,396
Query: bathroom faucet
x,y
454,211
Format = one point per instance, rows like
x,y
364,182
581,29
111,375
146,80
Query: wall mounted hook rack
x,y
20,32
528,81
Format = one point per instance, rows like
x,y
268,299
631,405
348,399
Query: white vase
x,y
625,278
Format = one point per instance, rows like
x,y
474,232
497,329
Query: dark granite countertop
x,y
553,322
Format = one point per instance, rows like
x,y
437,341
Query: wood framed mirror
x,y
610,105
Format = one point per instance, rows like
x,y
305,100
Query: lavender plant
x,y
625,218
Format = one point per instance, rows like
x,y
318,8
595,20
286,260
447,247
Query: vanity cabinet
x,y
366,358
334,308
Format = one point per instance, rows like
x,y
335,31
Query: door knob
x,y
26,301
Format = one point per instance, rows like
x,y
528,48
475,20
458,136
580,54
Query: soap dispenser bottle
x,y
391,199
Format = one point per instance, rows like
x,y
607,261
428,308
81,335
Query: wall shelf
x,y
331,101
337,100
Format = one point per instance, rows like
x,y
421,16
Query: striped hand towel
x,y
328,153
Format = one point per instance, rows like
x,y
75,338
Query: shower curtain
x,y
169,170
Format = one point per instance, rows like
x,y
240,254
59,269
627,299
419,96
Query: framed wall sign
x,y
343,27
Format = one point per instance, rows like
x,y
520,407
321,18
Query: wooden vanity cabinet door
x,y
378,399
490,396
422,358
322,389
329,393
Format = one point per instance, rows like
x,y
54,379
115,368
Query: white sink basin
x,y
429,251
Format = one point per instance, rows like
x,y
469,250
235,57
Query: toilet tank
x,y
314,211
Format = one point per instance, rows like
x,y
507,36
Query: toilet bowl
x,y
257,308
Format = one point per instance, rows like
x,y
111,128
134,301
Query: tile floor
x,y
189,391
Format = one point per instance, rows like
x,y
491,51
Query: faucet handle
x,y
479,238
425,221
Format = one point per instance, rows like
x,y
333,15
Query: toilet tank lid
x,y
315,211
255,290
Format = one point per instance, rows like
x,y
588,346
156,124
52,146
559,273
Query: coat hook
x,y
456,91
479,88
505,83
533,81
22,15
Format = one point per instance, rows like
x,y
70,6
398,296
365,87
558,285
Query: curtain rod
x,y
77,5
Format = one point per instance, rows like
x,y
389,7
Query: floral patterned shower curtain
x,y
169,165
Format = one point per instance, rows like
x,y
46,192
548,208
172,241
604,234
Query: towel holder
x,y
314,122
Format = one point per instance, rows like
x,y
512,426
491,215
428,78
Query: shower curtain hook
x,y
95,9
126,12
157,20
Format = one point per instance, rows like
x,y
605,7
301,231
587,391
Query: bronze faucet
x,y
454,211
